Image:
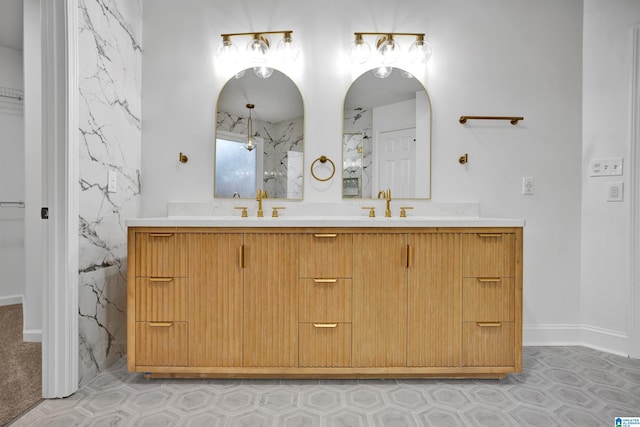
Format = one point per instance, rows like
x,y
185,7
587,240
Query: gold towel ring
x,y
323,159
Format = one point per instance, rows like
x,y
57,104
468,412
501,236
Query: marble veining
x,y
359,121
110,53
280,139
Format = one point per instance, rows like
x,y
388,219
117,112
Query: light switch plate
x,y
606,167
112,181
615,192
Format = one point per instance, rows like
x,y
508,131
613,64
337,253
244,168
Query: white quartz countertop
x,y
323,221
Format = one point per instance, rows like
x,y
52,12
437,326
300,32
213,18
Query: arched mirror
x,y
272,160
386,141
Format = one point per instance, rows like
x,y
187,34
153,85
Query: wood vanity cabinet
x,y
325,302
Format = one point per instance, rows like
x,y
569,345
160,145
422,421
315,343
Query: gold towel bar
x,y
513,120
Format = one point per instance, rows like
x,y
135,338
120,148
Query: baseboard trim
x,y
601,339
32,335
11,300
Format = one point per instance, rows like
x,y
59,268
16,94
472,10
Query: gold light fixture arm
x,y
257,35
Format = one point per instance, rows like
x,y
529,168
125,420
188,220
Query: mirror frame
x,y
427,151
237,125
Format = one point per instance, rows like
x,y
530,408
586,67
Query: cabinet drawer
x,y
488,344
161,343
489,255
326,255
161,299
325,300
325,344
160,254
487,299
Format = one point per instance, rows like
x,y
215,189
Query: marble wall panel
x,y
360,121
110,53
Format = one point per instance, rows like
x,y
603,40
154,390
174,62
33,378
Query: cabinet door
x,y
215,300
435,300
271,300
379,329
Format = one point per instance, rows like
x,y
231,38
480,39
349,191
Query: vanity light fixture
x,y
258,49
389,50
250,144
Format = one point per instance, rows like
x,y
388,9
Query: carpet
x,y
20,366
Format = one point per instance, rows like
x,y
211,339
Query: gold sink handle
x,y
372,211
403,211
244,211
274,214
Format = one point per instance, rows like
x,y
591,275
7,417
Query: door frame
x,y
60,194
634,199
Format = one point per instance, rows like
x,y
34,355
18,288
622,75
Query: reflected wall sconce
x,y
258,50
389,50
250,143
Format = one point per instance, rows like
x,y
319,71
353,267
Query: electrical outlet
x,y
112,181
528,186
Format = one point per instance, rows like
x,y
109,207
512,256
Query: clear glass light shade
x,y
287,49
419,52
359,51
257,50
389,51
382,71
250,143
239,74
263,72
227,52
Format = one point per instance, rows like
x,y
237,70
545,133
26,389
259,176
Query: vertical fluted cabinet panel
x,y
161,254
489,300
325,346
326,255
215,300
161,344
161,299
489,255
490,344
271,300
435,300
379,329
325,302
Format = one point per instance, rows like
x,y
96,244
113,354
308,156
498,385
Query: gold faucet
x,y
259,196
387,196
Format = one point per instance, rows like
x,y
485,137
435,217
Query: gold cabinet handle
x,y
489,324
160,234
489,279
241,256
325,280
489,234
160,279
325,325
160,324
409,255
326,235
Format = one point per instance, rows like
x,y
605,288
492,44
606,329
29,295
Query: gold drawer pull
x,y
160,324
489,324
489,279
160,234
160,279
325,280
325,325
489,234
326,235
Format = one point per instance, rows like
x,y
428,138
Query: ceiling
x,y
11,24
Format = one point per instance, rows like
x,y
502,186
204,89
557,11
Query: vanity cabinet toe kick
x,y
325,302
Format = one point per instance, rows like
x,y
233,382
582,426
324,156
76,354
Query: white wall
x,y
11,180
495,57
606,134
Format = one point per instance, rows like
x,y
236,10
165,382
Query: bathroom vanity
x,y
353,298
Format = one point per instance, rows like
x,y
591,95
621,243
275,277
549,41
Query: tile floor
x,y
559,386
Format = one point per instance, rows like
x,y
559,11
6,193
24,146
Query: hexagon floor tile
x,y
558,386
